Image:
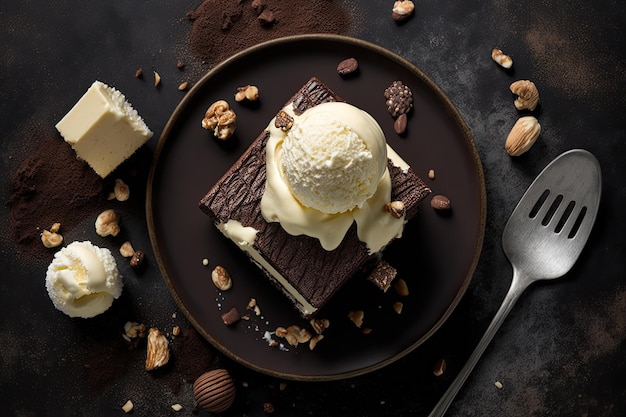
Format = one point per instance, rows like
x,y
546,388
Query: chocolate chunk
x,y
283,121
231,317
383,275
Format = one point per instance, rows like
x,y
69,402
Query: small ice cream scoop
x,y
334,158
83,280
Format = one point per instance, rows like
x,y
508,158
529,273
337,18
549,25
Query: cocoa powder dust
x,y
220,28
51,185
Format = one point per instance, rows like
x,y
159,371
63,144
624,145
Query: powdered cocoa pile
x,y
52,185
220,28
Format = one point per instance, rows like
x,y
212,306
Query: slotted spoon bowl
x,y
543,238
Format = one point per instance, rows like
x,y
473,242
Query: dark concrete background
x,y
562,351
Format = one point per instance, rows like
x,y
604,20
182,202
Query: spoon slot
x,y
565,216
542,199
553,208
577,223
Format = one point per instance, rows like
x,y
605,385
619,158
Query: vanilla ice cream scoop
x,y
83,280
334,157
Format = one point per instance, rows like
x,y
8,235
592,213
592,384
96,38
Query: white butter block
x,y
103,128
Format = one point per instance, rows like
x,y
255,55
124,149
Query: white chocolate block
x,y
103,128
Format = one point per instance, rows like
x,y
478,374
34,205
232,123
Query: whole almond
x,y
399,126
347,66
440,202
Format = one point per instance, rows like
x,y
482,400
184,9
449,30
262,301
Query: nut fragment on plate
x,y
137,259
357,317
128,406
107,223
221,119
157,79
247,92
158,350
51,238
522,136
401,287
528,95
294,334
319,325
440,367
501,58
402,10
221,278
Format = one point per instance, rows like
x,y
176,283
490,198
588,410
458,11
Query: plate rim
x,y
450,108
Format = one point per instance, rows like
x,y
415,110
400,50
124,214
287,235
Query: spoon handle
x,y
517,287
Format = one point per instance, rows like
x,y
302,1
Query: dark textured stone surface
x,y
560,353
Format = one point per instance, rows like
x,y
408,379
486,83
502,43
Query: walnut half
x,y
528,95
220,118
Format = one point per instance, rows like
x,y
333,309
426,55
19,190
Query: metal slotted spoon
x,y
543,238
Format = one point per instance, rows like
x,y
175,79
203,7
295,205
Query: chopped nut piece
x,y
158,350
522,136
157,79
440,202
139,73
431,174
137,259
175,330
128,406
366,330
180,65
315,340
247,92
231,317
398,306
221,119
221,278
499,385
528,95
319,325
183,86
251,304
121,190
402,10
396,208
107,223
127,250
133,329
501,58
177,407
401,287
258,6
357,317
266,17
205,262
50,238
440,367
293,334
283,121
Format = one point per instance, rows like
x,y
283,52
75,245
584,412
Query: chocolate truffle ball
x,y
214,390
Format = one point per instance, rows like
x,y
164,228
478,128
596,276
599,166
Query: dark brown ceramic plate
x,y
436,256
